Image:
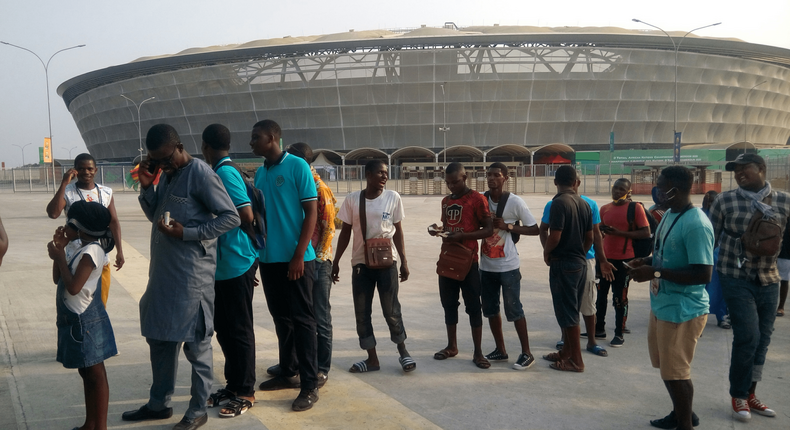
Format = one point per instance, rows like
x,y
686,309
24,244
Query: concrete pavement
x,y
621,391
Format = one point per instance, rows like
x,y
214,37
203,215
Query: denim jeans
x,y
752,312
364,283
322,284
619,299
510,284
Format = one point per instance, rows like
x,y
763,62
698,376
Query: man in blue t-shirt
x,y
287,263
237,262
681,265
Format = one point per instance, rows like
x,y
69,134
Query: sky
x,y
119,32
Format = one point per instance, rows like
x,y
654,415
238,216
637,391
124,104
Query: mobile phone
x,y
152,167
628,265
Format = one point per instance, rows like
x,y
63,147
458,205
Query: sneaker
x,y
280,383
759,408
496,355
626,330
305,400
724,324
322,378
524,361
671,421
617,342
740,409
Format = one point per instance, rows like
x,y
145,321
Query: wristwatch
x,y
510,226
657,274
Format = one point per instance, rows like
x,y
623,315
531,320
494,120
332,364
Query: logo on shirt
x,y
453,214
279,181
385,216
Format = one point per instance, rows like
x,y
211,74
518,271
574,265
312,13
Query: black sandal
x,y
238,406
222,395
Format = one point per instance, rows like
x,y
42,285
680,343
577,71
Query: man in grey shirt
x,y
178,304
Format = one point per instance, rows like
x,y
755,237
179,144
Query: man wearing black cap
x,y
749,282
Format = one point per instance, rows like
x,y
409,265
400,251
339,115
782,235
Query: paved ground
x,y
621,391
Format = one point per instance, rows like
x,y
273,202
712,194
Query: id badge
x,y
655,283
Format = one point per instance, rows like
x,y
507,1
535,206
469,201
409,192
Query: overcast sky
x,y
119,32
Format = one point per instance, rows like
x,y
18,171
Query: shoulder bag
x,y
378,252
763,237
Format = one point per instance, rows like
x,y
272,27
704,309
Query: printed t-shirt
x,y
286,184
596,219
466,215
98,193
382,214
499,253
235,253
573,217
617,217
325,224
79,302
689,242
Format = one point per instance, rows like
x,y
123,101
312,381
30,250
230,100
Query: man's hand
x,y
500,224
636,262
607,270
404,272
547,258
335,272
146,178
69,176
642,273
119,260
174,230
453,237
296,268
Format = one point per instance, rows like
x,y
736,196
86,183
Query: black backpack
x,y
642,247
257,230
500,209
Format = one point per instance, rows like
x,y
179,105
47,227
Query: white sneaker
x,y
741,410
759,408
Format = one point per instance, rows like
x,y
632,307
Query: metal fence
x,y
524,179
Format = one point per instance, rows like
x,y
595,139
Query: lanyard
x,y
660,243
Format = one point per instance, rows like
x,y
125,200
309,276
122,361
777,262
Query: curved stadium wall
x,y
488,89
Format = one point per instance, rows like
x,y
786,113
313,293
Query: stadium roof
x,y
421,38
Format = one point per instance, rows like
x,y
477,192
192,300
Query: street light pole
x,y
71,149
23,151
677,48
743,123
49,112
444,129
139,130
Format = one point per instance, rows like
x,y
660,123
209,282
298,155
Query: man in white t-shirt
x,y
383,215
499,265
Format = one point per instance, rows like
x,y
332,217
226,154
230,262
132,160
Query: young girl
x,y
86,189
85,337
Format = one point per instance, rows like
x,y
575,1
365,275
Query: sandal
x,y
780,312
554,356
496,355
362,367
481,362
221,397
566,366
444,354
598,350
407,363
237,406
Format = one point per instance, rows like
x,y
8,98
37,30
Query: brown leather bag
x,y
763,237
455,261
378,252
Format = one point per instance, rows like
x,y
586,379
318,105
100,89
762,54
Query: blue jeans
x,y
364,283
752,312
717,305
322,284
510,284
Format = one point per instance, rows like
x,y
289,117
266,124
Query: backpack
x,y
257,230
642,247
500,209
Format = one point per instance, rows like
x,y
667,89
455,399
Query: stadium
x,y
423,95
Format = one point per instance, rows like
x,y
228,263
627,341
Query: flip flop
x,y
362,367
481,363
237,406
220,398
598,350
780,312
566,366
444,355
407,363
554,356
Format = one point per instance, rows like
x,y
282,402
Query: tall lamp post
x,y
444,129
71,149
139,130
676,138
743,123
23,151
49,112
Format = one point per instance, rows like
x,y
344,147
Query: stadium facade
x,y
496,90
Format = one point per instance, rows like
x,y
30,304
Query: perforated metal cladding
x,y
492,96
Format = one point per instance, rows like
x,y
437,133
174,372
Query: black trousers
x,y
291,306
235,330
619,299
469,288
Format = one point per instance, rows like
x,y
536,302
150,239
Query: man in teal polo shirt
x,y
287,261
237,262
681,265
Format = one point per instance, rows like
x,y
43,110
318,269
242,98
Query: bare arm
x,y
342,244
544,233
3,242
588,239
551,243
115,229
693,274
600,256
58,202
483,232
400,247
642,233
296,266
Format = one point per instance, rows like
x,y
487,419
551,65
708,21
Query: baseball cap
x,y
744,159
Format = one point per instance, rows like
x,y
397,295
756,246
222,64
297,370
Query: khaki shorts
x,y
671,345
587,307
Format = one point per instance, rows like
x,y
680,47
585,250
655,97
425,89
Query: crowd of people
x,y
212,235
